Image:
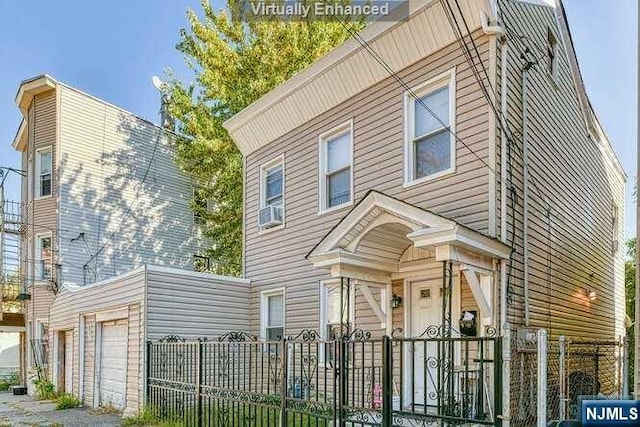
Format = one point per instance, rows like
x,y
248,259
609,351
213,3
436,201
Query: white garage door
x,y
113,364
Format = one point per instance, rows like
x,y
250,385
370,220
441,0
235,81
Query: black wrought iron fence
x,y
303,380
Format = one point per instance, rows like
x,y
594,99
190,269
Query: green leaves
x,y
234,64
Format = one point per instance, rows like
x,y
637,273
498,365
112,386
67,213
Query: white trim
x,y
323,138
264,307
446,79
280,160
113,314
37,172
81,356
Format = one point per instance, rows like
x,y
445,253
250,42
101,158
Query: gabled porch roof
x,y
381,218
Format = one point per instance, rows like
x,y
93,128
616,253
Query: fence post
x,y
542,378
148,376
562,340
497,378
284,384
625,367
505,417
387,380
198,396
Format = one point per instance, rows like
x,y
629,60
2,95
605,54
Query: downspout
x,y
503,181
499,32
525,192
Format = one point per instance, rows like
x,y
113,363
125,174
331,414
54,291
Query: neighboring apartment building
x,y
101,196
350,174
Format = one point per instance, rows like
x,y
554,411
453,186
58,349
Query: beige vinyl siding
x,y
276,259
195,305
120,186
577,176
89,357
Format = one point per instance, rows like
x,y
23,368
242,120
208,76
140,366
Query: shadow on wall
x,y
123,201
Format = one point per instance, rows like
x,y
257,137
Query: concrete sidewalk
x,y
26,411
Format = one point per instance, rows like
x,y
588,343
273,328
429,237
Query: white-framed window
x,y
552,54
272,194
44,168
430,145
272,314
336,167
43,257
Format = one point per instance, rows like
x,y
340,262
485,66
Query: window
x,y
615,220
336,167
331,310
272,313
44,258
200,206
552,54
272,194
201,263
429,140
43,172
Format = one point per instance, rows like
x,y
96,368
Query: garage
x,y
112,375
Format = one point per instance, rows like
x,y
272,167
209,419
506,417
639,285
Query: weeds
x,y
67,401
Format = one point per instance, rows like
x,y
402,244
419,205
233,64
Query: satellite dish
x,y
159,84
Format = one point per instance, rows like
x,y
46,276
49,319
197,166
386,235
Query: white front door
x,y
68,362
426,315
113,364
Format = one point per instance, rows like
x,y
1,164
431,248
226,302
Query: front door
x,y
426,315
68,362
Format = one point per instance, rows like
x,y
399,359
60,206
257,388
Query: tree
x,y
235,63
630,298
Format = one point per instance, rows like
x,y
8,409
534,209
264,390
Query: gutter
x,y
525,193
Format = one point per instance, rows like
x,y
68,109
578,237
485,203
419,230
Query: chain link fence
x,y
575,368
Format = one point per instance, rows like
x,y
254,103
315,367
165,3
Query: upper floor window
x,y
429,129
336,167
552,54
200,206
43,172
272,314
615,225
201,263
44,257
272,194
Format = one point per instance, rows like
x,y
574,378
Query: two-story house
x,y
452,151
102,197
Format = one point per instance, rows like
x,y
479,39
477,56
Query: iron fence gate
x,y
303,380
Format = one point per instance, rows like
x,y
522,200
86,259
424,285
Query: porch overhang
x,y
339,251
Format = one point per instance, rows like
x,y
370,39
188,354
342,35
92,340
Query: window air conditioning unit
x,y
270,216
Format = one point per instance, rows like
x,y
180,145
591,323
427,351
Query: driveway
x,y
26,411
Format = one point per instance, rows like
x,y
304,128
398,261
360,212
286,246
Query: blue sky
x,y
111,50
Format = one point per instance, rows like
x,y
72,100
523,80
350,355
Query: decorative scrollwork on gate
x,y
172,338
307,335
358,335
237,336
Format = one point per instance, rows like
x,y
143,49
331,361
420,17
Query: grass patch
x,y
45,390
147,418
105,410
67,401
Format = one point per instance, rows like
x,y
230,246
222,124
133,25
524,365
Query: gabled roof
x,y
349,69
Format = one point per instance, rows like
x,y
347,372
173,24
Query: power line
x,y
135,203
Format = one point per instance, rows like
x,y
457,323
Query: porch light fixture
x,y
396,301
592,295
